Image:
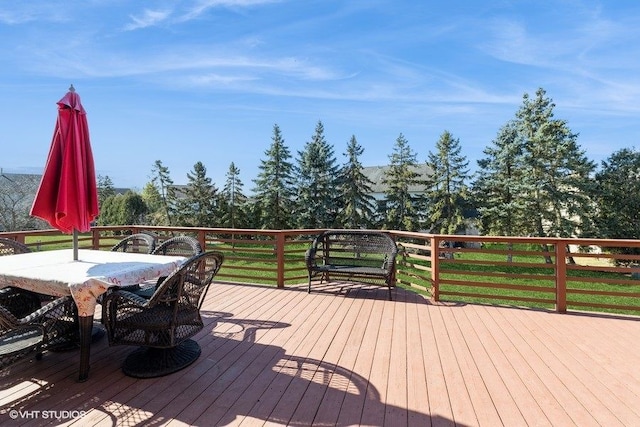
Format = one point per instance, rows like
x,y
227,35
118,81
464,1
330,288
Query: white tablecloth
x,y
56,273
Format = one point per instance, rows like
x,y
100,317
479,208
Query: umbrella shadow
x,y
235,378
264,382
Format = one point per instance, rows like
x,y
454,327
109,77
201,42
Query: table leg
x,y
86,326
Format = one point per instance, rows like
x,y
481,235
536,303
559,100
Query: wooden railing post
x,y
561,277
280,258
202,239
95,239
435,267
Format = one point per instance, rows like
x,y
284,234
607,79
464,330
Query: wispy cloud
x,y
26,12
191,10
370,67
214,64
148,18
202,6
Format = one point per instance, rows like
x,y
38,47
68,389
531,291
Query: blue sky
x,y
188,81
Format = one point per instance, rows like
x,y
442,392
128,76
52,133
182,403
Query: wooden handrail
x,y
484,268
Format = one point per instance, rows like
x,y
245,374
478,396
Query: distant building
x,y
377,175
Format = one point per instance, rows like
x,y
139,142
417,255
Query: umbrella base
x,y
157,362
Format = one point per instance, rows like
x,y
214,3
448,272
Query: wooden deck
x,y
283,357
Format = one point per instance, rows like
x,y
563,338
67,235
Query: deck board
x,y
494,403
523,370
345,355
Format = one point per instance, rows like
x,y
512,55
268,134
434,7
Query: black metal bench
x,y
359,255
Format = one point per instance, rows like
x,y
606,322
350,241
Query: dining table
x,y
56,273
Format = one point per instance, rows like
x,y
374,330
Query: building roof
x,y
377,175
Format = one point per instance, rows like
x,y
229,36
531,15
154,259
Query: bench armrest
x,y
310,257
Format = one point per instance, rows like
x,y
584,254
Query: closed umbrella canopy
x,y
68,197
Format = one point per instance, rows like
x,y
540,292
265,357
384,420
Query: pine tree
x,y
233,200
354,188
105,188
198,206
446,188
617,196
317,205
161,178
153,199
556,169
501,182
109,211
274,186
401,208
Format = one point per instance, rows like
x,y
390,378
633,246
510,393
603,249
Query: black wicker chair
x,y
18,301
179,246
186,246
137,243
163,324
48,328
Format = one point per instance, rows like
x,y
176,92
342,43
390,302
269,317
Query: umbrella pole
x,y
75,244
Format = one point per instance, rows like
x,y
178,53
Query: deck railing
x,y
555,273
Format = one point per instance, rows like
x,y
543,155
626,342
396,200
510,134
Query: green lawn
x,y
255,262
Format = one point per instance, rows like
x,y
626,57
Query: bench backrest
x,y
361,248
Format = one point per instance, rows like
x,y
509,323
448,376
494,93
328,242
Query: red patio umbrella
x,y
68,197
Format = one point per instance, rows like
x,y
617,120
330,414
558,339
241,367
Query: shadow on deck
x,y
284,357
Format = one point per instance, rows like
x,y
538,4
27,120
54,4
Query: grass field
x,y
525,281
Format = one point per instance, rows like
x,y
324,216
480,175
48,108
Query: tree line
x,y
533,180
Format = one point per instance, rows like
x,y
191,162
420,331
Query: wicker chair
x,y
186,246
137,243
18,301
48,328
163,324
12,247
179,246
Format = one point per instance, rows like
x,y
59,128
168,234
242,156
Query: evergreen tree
x,y
556,169
105,188
317,205
233,200
274,186
198,205
354,189
446,189
123,209
501,182
109,211
133,208
161,178
156,214
617,196
401,208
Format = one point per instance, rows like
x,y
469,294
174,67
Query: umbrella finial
x,y
72,89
